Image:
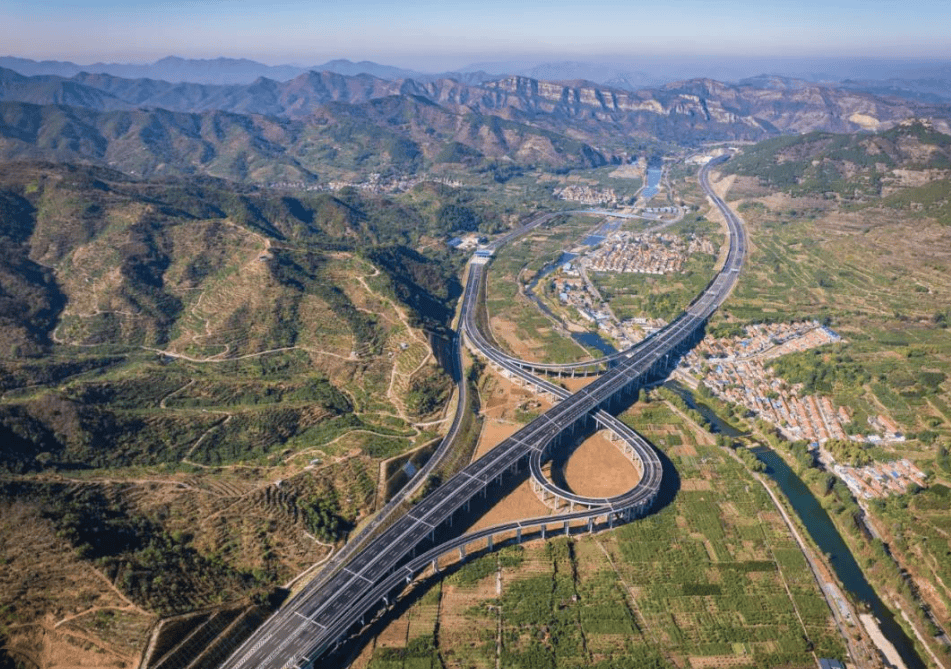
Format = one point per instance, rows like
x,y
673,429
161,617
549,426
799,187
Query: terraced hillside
x,y
854,231
199,383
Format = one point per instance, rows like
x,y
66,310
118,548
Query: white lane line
x,y
312,622
353,573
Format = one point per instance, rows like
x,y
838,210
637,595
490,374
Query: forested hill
x,y
320,123
82,244
893,163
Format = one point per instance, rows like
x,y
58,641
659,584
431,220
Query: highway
x,y
444,448
318,617
598,365
636,447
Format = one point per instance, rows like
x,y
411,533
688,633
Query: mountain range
x,y
224,71
271,131
921,81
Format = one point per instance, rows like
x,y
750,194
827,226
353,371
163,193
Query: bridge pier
x,y
435,565
490,542
518,535
590,525
543,531
567,529
462,553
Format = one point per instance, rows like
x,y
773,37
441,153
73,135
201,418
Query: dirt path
x,y
395,374
174,392
333,549
217,358
130,605
202,438
94,610
635,609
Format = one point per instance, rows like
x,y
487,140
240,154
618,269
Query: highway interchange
x,y
362,580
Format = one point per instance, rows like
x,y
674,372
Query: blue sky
x,y
445,34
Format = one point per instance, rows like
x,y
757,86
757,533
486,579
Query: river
x,y
823,532
587,339
653,181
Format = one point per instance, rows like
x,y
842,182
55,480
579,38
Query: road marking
x,y
353,573
311,621
630,369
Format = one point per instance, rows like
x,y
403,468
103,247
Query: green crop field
x,y
714,577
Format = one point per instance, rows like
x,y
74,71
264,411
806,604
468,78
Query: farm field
x,y
711,580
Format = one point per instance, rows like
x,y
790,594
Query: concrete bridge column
x,y
543,531
490,542
462,553
435,565
518,535
567,529
590,525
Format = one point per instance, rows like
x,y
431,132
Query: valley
x,y
227,317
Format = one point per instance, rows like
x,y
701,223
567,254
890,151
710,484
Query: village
x,y
649,253
736,370
375,183
880,479
587,195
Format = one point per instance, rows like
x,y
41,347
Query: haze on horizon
x,y
431,35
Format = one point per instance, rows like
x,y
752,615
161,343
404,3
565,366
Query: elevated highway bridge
x,y
320,616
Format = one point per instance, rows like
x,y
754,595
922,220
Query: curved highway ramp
x,y
323,614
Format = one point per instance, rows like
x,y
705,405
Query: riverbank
x,y
832,540
863,651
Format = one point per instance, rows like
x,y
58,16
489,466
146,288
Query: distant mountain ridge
x,y
709,109
319,125
224,71
903,76
170,68
921,82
